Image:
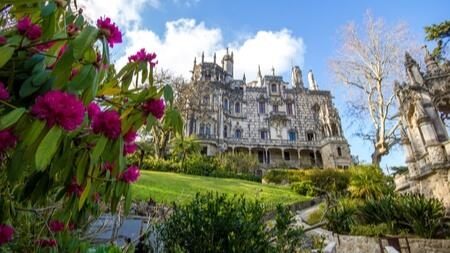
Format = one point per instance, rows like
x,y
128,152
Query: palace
x,y
281,123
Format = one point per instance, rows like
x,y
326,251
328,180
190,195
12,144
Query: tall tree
x,y
369,60
441,34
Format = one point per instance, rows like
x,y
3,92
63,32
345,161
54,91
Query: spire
x,y
259,72
273,71
214,58
312,81
259,76
430,61
243,78
203,57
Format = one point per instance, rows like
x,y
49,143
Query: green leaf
x,y
168,93
83,79
84,195
33,132
41,78
83,41
16,167
48,9
11,118
98,150
6,52
28,88
47,148
63,68
82,164
127,201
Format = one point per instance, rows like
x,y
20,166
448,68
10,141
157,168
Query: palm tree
x,y
367,182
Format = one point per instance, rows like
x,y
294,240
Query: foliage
x,y
166,188
68,120
370,59
329,180
368,182
441,34
237,163
341,217
425,216
216,223
382,210
157,164
371,230
198,164
316,216
305,188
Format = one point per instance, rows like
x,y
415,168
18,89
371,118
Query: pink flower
x,y
72,29
107,123
155,107
110,30
57,107
131,174
130,136
107,166
74,188
24,24
44,46
129,148
6,233
93,110
4,94
142,55
7,140
2,40
27,28
47,243
56,226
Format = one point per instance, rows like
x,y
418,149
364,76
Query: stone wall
x,y
363,244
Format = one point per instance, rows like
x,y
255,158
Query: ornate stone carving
x,y
436,154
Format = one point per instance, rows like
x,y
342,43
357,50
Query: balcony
x,y
277,115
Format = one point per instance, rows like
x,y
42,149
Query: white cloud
x,y
186,39
125,13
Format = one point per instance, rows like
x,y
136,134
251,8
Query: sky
x,y
278,34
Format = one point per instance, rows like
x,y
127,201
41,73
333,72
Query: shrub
x,y
371,229
278,176
341,217
216,223
305,188
237,163
368,182
425,216
316,216
197,164
381,210
157,164
329,180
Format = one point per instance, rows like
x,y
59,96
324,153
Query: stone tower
x,y
424,107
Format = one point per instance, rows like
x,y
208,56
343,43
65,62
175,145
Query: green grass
x,y
165,187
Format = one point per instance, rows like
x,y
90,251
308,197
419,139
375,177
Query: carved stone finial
x,y
214,58
430,62
203,57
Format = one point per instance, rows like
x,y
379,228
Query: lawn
x,y
165,187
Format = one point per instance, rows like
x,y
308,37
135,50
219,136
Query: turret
x,y
227,64
296,77
311,81
259,77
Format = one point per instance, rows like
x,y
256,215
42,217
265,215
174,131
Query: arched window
x,y
238,134
262,107
273,87
225,131
339,151
310,136
202,129
237,107
225,104
292,135
289,110
208,130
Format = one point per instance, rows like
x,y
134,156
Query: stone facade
x,y
425,119
279,122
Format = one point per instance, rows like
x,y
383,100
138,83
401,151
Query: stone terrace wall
x,y
363,244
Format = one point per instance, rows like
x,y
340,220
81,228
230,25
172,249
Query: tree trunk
x,y
376,158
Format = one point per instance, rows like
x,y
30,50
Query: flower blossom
x,y
107,123
2,40
93,110
108,166
110,31
129,146
6,233
4,94
155,107
142,55
57,107
131,174
7,140
27,28
56,226
74,188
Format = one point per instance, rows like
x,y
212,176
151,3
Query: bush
x,y
368,182
284,176
316,216
305,188
197,164
329,180
216,223
342,217
237,163
160,165
370,230
382,210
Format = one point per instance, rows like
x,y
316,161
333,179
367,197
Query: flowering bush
x,y
68,120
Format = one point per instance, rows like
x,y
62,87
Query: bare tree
x,y
368,62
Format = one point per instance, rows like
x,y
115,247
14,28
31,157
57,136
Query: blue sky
x,y
270,33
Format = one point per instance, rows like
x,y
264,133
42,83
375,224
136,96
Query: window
x,y
262,107
208,130
339,151
310,136
264,135
289,109
202,129
261,156
292,135
225,132
287,155
238,134
275,108
274,87
237,107
225,104
206,99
